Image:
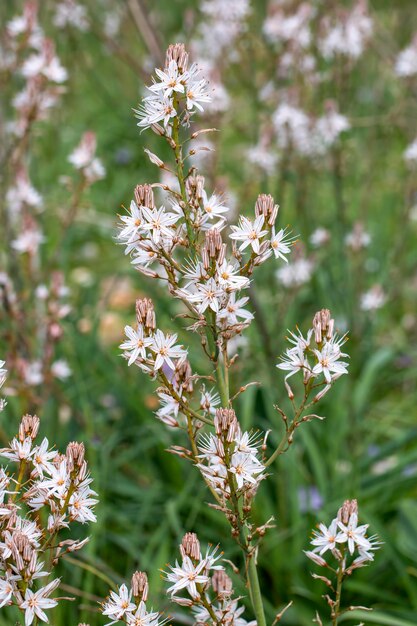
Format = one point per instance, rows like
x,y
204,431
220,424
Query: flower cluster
x,y
48,492
345,542
209,590
230,456
129,605
320,362
175,93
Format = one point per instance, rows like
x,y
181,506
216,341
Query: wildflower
x,y
327,537
119,604
187,576
35,602
249,233
280,245
328,361
246,468
229,278
159,222
135,346
353,534
165,350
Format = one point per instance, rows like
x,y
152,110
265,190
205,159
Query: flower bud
x,y
226,424
145,314
323,325
222,584
190,546
140,586
348,508
29,427
266,206
176,52
144,196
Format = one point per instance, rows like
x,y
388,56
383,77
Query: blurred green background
x,y
367,446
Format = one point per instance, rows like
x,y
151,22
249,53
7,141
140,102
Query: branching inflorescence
x,y
208,265
45,495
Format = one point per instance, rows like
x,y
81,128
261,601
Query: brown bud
x,y
75,455
222,584
183,377
266,206
190,546
144,196
29,427
195,188
140,586
213,248
145,314
226,424
323,325
176,52
348,508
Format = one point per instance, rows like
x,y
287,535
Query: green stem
x,y
255,591
252,572
336,608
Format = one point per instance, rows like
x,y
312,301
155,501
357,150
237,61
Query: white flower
x,y
294,361
136,344
7,587
234,310
35,602
154,109
327,537
246,468
42,457
196,91
209,400
228,276
119,604
159,222
187,576
59,481
353,534
19,450
60,369
410,154
171,80
406,63
373,299
249,233
280,245
28,241
165,350
81,504
295,273
141,617
328,361
207,296
213,206
319,237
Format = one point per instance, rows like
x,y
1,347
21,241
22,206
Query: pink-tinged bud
x,y
226,424
29,427
348,508
213,248
144,196
222,584
323,325
266,206
176,52
145,314
316,558
190,546
140,586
